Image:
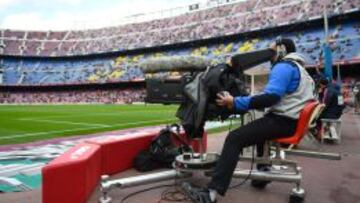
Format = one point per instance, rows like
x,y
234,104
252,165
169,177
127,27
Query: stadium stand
x,y
221,20
118,96
112,54
344,40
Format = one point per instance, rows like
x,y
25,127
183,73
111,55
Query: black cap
x,y
288,43
323,81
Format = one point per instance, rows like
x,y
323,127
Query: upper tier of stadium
x,y
123,67
225,19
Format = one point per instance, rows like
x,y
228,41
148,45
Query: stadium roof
x,y
89,14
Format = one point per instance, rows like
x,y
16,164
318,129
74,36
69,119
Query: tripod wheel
x,y
297,195
296,199
259,184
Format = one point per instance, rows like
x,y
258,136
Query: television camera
x,y
194,86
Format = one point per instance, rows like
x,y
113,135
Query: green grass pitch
x,y
27,123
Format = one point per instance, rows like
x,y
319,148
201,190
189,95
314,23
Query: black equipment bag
x,y
162,151
144,162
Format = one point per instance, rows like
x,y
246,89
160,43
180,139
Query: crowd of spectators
x,y
118,96
343,38
347,89
221,20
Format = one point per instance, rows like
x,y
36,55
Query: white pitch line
x,y
98,114
77,129
64,122
44,133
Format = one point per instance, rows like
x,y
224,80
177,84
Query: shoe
x,y
261,184
263,167
315,134
197,194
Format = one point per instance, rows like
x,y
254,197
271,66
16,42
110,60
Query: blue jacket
x,y
330,97
284,79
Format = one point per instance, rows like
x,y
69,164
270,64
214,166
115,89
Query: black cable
x,y
176,195
166,195
144,190
230,125
248,176
252,162
173,194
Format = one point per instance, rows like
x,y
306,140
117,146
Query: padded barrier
x,y
118,152
72,177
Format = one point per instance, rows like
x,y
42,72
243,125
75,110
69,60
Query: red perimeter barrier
x,y
72,176
118,151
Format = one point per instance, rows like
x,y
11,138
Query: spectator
x,y
330,95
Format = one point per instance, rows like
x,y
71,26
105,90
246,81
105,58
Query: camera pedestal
x,y
184,166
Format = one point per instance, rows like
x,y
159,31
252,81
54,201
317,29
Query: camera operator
x,y
288,89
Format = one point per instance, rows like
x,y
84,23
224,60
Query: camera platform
x,y
184,166
196,161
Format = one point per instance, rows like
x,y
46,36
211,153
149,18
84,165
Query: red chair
x,y
307,117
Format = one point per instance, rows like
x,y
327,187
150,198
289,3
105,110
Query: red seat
x,y
303,124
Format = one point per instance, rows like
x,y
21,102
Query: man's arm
x,y
330,97
280,78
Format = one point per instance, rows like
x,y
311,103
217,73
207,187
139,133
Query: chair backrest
x,y
315,115
308,115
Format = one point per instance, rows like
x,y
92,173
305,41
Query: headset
x,y
280,49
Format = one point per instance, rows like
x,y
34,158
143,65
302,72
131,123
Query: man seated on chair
x,y
330,95
288,90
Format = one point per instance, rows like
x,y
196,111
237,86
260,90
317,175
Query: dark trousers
x,y
269,127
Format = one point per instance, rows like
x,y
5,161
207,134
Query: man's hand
x,y
273,46
225,99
